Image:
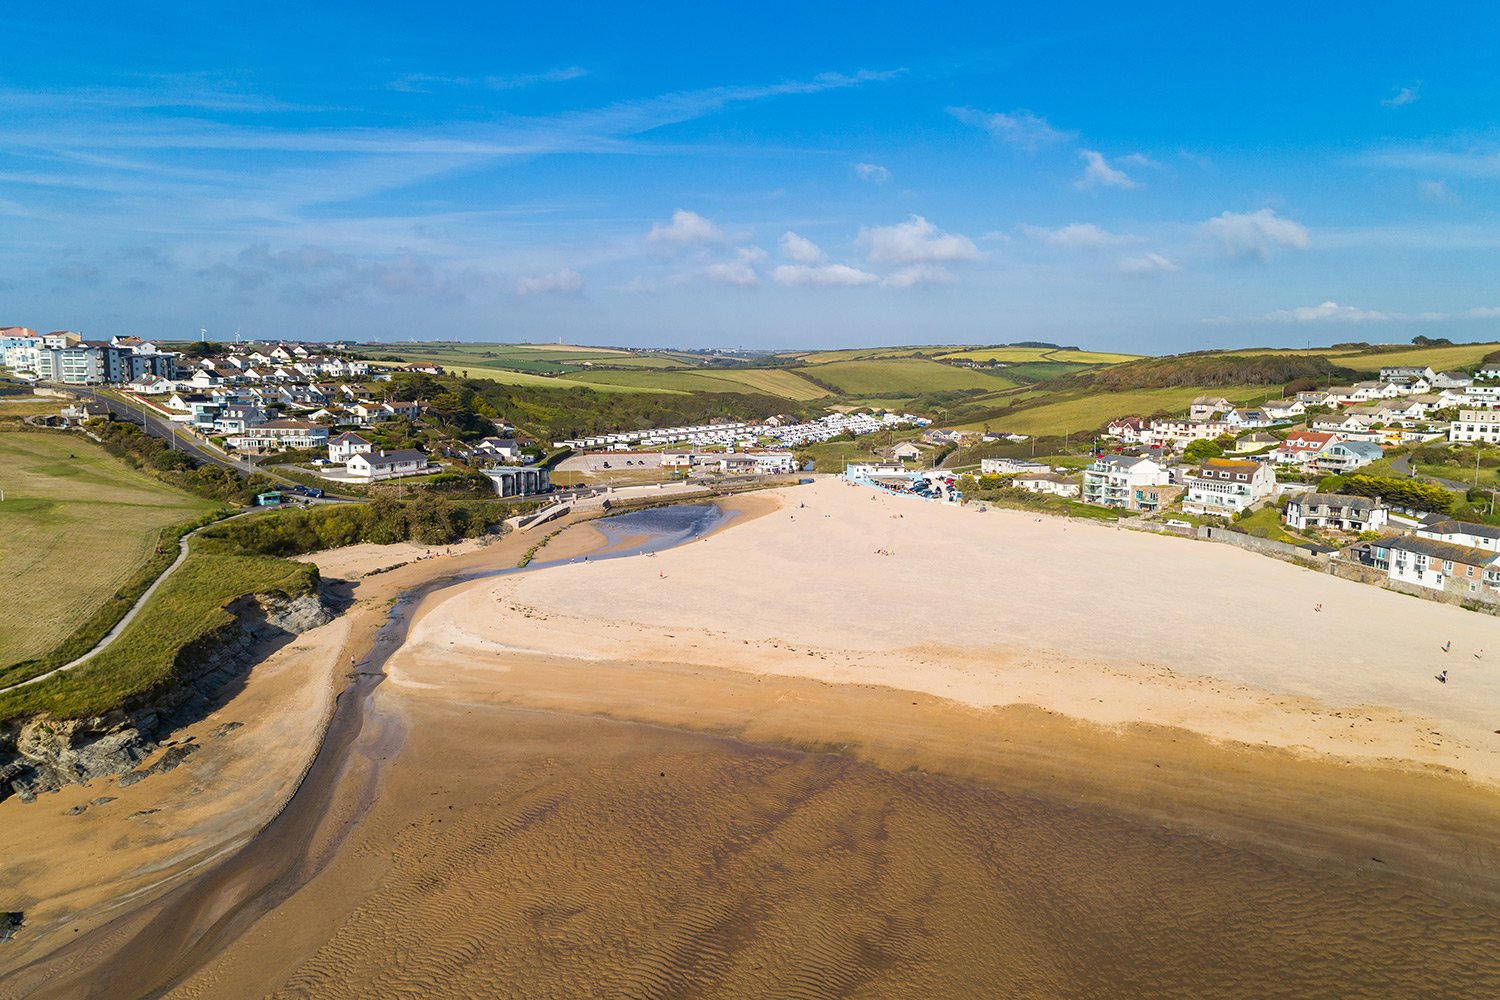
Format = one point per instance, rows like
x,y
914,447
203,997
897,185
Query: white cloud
x,y
915,241
1253,235
1077,236
1483,312
564,282
828,274
732,273
1146,264
1327,312
1140,160
1019,128
1436,191
920,274
685,228
1404,96
801,249
872,172
1098,173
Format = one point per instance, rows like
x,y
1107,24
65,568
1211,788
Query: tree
x,y
1197,451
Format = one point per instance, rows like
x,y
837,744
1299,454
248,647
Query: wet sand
x,y
596,793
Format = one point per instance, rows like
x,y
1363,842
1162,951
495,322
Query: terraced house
x,y
1335,511
1448,567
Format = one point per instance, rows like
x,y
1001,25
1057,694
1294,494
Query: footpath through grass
x,y
189,609
79,527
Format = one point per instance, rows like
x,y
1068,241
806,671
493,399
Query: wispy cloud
x,y
828,275
1328,312
563,282
1019,128
1403,97
1436,191
1077,236
1146,265
872,172
421,83
920,274
1097,173
915,241
1254,235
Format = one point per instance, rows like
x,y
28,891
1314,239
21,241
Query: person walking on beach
x,y
1442,678
1447,645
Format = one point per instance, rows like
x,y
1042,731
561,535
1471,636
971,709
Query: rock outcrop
x,y
42,755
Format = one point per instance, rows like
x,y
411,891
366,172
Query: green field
x,y
75,528
1087,412
1439,358
189,604
29,406
1024,354
767,381
507,376
899,377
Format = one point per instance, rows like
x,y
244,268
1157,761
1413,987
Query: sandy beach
x,y
1012,757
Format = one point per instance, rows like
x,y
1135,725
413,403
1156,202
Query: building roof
x,y
297,424
1364,449
1452,527
349,437
394,457
1335,500
1434,549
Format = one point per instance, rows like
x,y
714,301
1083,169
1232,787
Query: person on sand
x,y
1479,654
1442,678
1447,645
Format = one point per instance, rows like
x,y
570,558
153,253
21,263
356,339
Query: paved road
x,y
1402,465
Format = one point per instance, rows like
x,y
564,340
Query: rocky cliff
x,y
41,754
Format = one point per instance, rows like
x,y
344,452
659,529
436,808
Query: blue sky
x,y
761,176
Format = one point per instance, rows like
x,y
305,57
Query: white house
x,y
281,434
1478,536
346,446
1336,511
1047,482
1476,425
1112,479
1204,407
1010,466
1345,456
386,464
1226,486
1442,566
1302,447
1284,409
906,452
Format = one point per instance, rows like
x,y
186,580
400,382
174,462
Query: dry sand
x,y
1002,608
1014,758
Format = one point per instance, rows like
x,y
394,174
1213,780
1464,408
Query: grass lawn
x,y
1266,523
505,376
1025,354
831,456
189,605
75,530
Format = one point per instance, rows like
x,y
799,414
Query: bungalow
x,y
346,446
504,449
676,460
1345,456
1112,479
1317,397
409,410
1284,409
1451,380
1256,442
1336,511
1478,536
1251,416
1047,482
1342,422
906,452
1302,447
1408,373
1010,466
1441,566
1226,486
386,464
1204,407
